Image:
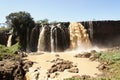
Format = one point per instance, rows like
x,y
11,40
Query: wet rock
x,y
27,65
84,55
93,51
85,77
11,70
93,58
76,76
89,55
58,60
33,74
21,54
54,75
40,53
1,64
57,55
53,69
73,70
60,65
78,56
103,66
0,59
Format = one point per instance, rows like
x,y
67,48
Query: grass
x,y
111,56
8,52
113,59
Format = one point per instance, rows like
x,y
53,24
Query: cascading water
x,y
78,36
58,38
9,42
34,38
41,40
51,38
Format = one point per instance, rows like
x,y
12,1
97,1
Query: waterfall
x,y
9,42
41,40
52,40
79,37
56,39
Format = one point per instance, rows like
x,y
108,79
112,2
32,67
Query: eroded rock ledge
x,y
13,70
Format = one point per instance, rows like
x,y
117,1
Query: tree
x,y
54,22
44,21
22,24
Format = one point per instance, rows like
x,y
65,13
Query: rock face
x,y
3,37
13,70
104,33
101,33
34,38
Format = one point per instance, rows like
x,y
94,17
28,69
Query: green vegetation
x,y
8,52
72,79
111,59
44,21
22,24
111,56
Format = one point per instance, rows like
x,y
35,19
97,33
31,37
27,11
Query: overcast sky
x,y
63,10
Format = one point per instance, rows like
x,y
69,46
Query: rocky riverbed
x,y
59,66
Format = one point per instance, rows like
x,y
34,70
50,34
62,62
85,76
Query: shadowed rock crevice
x,y
13,70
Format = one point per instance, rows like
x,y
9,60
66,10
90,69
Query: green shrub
x,y
8,52
111,56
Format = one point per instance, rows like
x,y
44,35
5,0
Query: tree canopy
x,y
44,21
22,24
20,21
